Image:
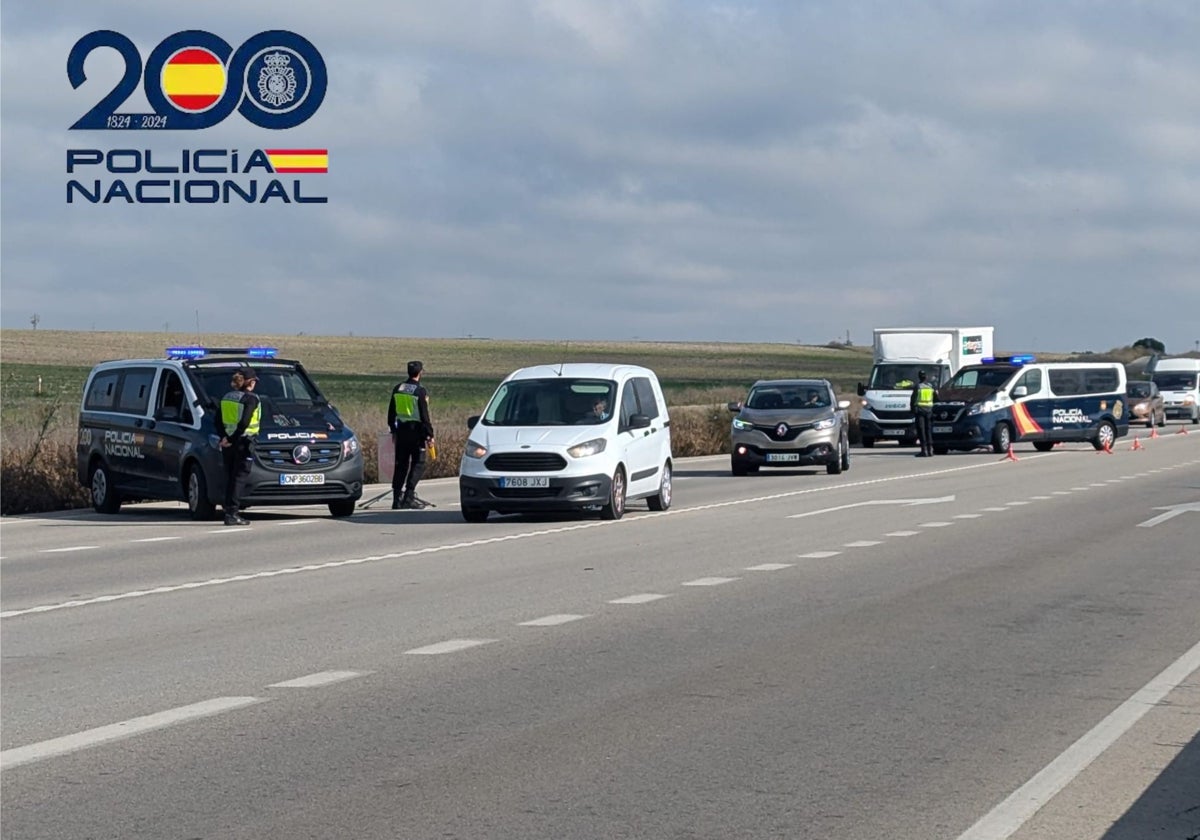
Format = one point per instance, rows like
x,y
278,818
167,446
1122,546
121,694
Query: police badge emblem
x,y
277,80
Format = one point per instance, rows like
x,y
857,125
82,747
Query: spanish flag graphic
x,y
193,79
1026,425
298,160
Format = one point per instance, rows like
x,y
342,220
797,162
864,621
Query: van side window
x,y
102,395
629,406
1032,380
1066,382
1099,380
645,397
133,397
171,403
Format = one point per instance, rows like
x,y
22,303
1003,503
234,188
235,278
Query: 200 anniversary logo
x,y
194,80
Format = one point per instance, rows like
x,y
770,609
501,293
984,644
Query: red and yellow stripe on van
x,y
298,160
1026,425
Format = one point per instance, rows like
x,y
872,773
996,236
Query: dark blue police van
x,y
148,430
1014,398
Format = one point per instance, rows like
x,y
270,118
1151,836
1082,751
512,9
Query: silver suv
x,y
790,423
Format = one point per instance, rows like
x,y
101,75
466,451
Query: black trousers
x,y
925,430
409,464
237,473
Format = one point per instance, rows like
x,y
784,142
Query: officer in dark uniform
x,y
241,416
921,405
412,431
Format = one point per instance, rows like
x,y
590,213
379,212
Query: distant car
x,y
790,423
1146,403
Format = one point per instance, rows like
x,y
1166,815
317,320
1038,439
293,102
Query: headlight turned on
x,y
587,448
741,424
474,450
827,423
350,447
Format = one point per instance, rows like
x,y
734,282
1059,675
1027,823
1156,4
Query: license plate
x,y
525,481
302,478
942,430
783,456
894,432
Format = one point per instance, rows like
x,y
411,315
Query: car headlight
x,y
587,448
1140,407
985,407
474,450
827,423
741,425
350,447
1189,400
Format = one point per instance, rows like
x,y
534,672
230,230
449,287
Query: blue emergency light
x,y
186,352
261,352
1018,359
197,352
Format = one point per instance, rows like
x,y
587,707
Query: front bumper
x,y
906,431
965,434
755,449
564,493
342,483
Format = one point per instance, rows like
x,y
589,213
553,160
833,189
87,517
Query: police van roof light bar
x,y
197,352
1018,359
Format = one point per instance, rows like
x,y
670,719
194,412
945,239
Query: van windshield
x,y
1175,381
982,377
289,398
897,377
551,402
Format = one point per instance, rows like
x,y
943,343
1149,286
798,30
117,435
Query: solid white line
x,y
116,731
156,539
861,544
552,620
1006,818
769,567
818,555
709,581
68,548
450,646
936,524
644,598
319,679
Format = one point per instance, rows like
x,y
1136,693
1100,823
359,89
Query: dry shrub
x,y
39,477
699,430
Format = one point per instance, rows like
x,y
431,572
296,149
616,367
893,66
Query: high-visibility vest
x,y
231,414
405,400
924,395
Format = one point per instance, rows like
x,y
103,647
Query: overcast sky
x,y
730,171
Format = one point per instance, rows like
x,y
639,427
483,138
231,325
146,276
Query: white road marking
x,y
1099,483
116,731
1171,513
936,524
230,529
319,679
968,515
156,539
293,522
644,598
1038,498
709,581
902,533
769,567
994,510
449,646
1007,818
818,555
861,543
552,620
68,548
1015,504
1077,489
905,502
1061,493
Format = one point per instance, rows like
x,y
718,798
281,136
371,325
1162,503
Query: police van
x,y
149,429
1015,398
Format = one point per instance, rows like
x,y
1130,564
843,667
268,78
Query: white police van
x,y
1015,398
148,430
540,445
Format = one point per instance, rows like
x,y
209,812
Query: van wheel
x,y
615,508
1001,438
1106,436
662,500
473,514
845,454
834,467
1043,445
342,508
105,498
198,503
1162,419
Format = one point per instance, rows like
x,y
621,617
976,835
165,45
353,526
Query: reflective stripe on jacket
x,y
231,414
924,395
405,401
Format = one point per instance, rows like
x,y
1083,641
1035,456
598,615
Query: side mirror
x,y
1020,391
639,421
472,420
862,390
734,406
843,404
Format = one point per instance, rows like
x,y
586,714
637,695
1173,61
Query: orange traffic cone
x,y
1153,431
1182,430
1011,456
1137,444
1107,450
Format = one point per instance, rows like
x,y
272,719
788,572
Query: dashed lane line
x,y
936,524
769,567
319,679
552,620
643,598
156,539
449,646
902,533
861,544
68,548
709,581
968,515
818,555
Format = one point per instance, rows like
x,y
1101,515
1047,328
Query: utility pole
x,y
35,319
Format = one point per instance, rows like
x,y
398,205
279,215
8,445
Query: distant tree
x,y
1151,344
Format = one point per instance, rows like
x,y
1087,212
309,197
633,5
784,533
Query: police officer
x,y
241,415
921,405
412,431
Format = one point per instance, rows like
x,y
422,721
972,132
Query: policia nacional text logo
x,y
194,80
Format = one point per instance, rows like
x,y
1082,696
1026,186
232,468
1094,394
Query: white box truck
x,y
900,353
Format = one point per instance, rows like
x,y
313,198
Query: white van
x,y
569,437
1178,381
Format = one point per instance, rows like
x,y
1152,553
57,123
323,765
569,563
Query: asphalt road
x,y
961,647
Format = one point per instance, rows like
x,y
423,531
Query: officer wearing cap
x,y
412,431
921,405
241,415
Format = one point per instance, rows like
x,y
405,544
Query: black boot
x,y
395,501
